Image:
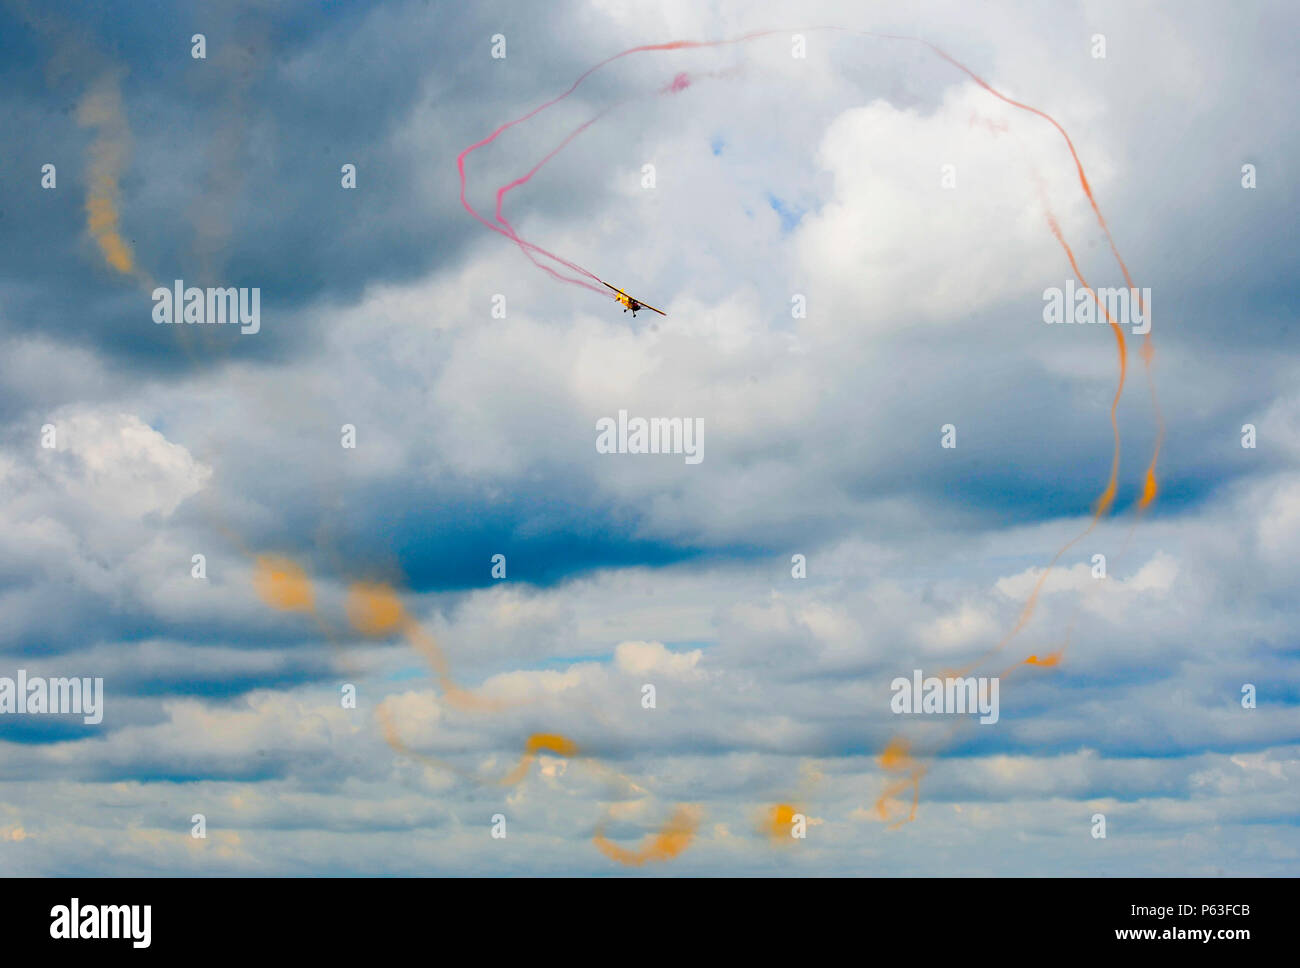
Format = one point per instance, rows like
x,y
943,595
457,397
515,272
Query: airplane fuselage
x,y
628,303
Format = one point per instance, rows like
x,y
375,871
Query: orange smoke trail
x,y
394,740
101,109
897,758
777,822
1051,659
1150,487
1031,603
554,742
673,838
1107,498
283,584
375,610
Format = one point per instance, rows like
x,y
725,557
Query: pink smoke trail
x,y
523,180
504,228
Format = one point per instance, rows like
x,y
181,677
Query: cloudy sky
x,y
778,182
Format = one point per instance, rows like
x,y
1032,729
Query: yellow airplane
x,y
627,302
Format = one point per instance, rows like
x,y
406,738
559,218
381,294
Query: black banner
x,y
983,917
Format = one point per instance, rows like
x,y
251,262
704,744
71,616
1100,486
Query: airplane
x,y
627,302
